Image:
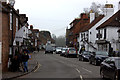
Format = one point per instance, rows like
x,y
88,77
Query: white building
x,y
109,33
108,12
22,34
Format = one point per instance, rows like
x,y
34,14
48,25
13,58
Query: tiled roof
x,y
113,21
86,28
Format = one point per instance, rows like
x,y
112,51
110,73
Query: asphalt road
x,y
57,67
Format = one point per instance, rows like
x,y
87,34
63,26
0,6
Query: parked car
x,y
110,68
97,57
63,51
58,50
71,52
48,49
84,56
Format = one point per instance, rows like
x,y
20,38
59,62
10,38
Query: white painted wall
x,y
112,33
0,51
22,33
93,31
112,36
81,42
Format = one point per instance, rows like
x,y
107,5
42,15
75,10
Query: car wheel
x,y
101,74
95,62
82,59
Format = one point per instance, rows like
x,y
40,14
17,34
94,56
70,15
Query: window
x,y
10,21
104,33
16,24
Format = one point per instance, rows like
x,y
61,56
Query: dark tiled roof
x,y
113,21
35,30
86,28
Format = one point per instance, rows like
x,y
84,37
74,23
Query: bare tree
x,y
96,8
60,41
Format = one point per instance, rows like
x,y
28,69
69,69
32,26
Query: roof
x,y
86,28
35,30
76,19
113,21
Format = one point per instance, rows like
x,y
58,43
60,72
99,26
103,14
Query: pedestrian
x,y
25,58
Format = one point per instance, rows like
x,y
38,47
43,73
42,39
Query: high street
x,y
55,66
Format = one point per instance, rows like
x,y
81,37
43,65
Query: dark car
x,y
71,52
97,57
84,56
110,68
63,51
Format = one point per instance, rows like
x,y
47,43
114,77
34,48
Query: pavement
x,y
32,65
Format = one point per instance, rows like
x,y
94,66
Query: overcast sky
x,y
55,15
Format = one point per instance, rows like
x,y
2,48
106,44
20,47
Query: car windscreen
x,y
117,62
101,53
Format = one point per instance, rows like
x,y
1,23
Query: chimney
x,y
92,16
31,27
119,5
108,10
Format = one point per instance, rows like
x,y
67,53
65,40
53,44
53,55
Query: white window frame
x,y
16,24
10,21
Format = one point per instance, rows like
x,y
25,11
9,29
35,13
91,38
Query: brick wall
x,y
5,41
0,36
0,27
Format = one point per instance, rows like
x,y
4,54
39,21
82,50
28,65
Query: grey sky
x,y
55,15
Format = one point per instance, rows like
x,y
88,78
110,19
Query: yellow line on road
x,y
37,67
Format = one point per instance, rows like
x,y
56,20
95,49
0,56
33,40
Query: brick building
x,y
8,31
75,26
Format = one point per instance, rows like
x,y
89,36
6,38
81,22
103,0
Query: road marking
x,y
87,70
78,70
37,67
81,77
